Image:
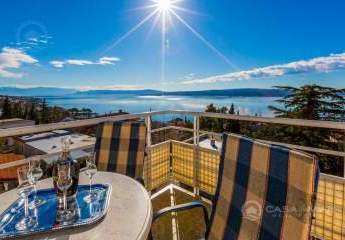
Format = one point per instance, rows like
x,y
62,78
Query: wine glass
x,y
91,170
34,174
24,191
64,182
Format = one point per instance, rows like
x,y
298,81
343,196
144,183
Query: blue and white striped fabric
x,y
264,192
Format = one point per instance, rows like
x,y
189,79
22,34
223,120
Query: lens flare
x,y
165,11
164,5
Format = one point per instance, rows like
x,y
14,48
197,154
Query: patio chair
x,y
263,192
120,148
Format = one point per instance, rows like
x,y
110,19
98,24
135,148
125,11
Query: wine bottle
x,y
65,158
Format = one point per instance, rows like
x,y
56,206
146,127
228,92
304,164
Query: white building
x,y
8,142
209,144
15,123
51,142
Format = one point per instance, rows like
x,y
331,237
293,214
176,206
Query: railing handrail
x,y
88,122
11,132
284,121
297,147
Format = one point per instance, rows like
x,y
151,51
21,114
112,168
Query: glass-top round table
x,y
129,214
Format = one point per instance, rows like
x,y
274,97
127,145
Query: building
x,y
7,144
50,143
211,144
15,123
8,176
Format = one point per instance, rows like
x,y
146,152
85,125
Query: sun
x,y
165,11
164,5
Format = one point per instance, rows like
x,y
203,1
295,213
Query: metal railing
x,y
190,165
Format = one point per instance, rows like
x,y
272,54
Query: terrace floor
x,y
177,226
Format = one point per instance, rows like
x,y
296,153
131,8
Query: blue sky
x,y
68,44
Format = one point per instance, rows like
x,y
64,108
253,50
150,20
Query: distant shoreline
x,y
51,92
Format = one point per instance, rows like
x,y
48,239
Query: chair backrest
x,y
263,192
120,147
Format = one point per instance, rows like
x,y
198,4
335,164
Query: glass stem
x,y
35,190
90,185
64,200
26,206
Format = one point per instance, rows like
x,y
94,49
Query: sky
x,y
171,44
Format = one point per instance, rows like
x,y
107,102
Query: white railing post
x,y
148,152
149,131
196,136
196,130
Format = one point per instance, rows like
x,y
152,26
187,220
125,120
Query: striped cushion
x,y
264,192
120,147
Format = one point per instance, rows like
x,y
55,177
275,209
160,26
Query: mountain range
x,y
51,91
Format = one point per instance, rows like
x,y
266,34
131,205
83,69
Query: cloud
x,y
108,60
319,64
81,62
78,62
57,64
11,59
188,77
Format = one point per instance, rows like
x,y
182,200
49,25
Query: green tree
x,y
6,108
219,124
312,102
26,111
44,112
234,124
73,111
210,124
232,109
17,110
33,113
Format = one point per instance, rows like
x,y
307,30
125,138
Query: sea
x,y
110,103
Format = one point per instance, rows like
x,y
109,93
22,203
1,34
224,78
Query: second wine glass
x,y
24,191
34,174
91,170
64,182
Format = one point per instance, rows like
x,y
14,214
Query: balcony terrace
x,y
177,171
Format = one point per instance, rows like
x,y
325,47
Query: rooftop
x,y
9,173
50,142
207,143
15,122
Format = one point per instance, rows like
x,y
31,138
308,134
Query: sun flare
x,y
164,5
165,12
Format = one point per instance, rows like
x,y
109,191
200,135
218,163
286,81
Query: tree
x,y
44,112
6,108
220,124
232,109
17,110
234,124
312,102
33,113
73,111
210,124
26,111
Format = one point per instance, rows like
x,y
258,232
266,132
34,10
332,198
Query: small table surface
x,y
129,214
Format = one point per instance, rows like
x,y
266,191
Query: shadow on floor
x,y
189,224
